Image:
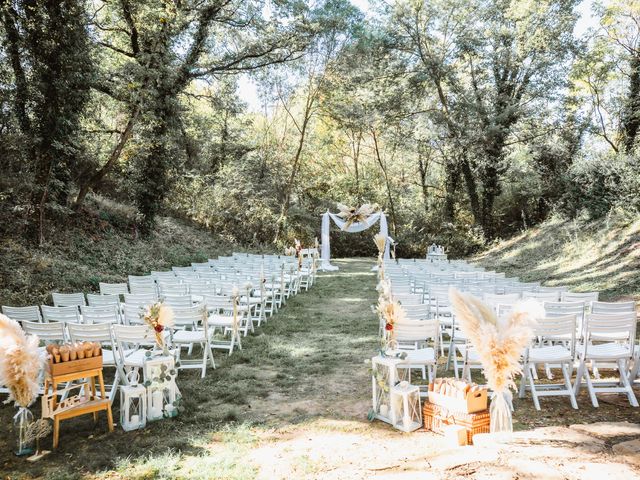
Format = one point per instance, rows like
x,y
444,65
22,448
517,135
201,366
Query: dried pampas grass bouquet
x,y
20,362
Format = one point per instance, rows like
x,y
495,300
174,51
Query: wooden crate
x,y
474,402
74,366
437,417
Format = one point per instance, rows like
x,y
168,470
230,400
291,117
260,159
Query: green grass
x,y
296,368
302,376
101,245
601,255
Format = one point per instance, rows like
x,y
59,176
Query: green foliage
x,y
464,120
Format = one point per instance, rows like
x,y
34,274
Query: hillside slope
x,y
602,255
101,245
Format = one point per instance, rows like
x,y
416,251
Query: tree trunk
x,y
97,177
472,190
284,211
631,120
394,220
13,49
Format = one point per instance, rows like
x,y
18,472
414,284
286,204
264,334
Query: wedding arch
x,y
349,228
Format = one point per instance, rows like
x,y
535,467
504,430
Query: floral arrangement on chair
x,y
389,312
352,215
158,316
499,343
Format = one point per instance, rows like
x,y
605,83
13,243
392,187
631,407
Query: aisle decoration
x,y
350,220
352,215
133,403
163,396
298,247
20,365
499,343
159,317
381,242
74,384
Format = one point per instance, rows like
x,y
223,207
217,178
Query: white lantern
x,y
405,407
160,382
385,374
133,404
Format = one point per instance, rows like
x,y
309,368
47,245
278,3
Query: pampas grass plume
x,y
20,362
499,343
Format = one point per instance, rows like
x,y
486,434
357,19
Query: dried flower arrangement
x,y
499,343
158,316
20,362
352,215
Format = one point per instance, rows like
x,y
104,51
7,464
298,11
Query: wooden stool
x,y
76,405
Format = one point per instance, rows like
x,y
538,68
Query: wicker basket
x,y
437,417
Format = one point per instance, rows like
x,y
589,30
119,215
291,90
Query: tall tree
x,y
50,51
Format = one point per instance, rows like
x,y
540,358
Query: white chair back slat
x,y
60,314
586,297
103,300
19,314
46,332
101,314
613,307
113,288
140,299
68,299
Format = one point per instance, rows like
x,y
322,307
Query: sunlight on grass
x,y
602,255
160,466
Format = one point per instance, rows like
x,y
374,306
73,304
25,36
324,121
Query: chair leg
x,y
567,382
456,367
213,362
205,353
534,392
625,381
592,392
579,375
523,381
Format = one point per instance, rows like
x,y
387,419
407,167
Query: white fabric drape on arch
x,y
353,228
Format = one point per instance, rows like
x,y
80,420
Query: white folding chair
x,y
60,314
178,301
132,314
172,289
188,332
586,297
103,314
142,285
541,296
613,308
415,336
113,288
132,344
220,310
608,338
30,313
103,300
46,332
140,299
68,299
554,344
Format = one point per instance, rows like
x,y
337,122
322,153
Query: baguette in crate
x,y
455,408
